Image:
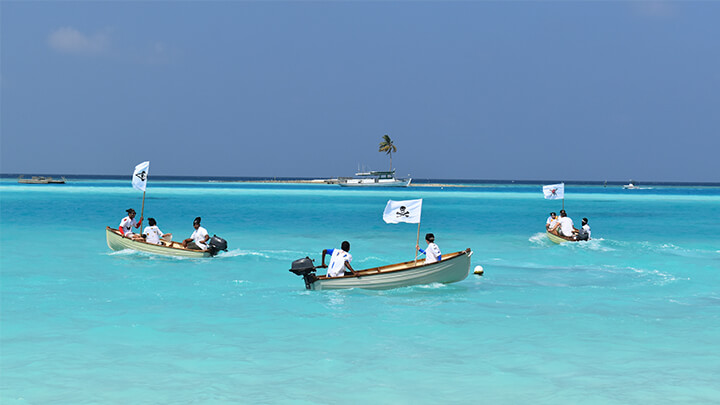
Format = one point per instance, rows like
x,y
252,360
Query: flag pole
x,y
417,243
142,210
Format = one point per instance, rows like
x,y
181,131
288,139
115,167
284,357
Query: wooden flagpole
x,y
142,210
417,243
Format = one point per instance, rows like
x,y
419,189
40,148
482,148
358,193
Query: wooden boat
x,y
557,238
453,268
374,179
116,241
41,180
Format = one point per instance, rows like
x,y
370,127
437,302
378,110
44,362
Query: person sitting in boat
x,y
152,233
127,224
198,239
339,260
565,226
432,252
584,231
551,221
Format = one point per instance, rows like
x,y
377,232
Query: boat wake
x,y
541,239
136,253
666,249
598,245
284,255
590,276
243,253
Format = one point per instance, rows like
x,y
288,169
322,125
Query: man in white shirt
x,y
198,239
339,260
432,252
551,221
128,223
567,228
584,232
153,233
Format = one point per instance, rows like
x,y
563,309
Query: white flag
x,y
408,211
554,191
139,178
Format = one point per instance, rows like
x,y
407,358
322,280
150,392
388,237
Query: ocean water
x,y
632,316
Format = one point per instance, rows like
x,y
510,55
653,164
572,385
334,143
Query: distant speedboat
x,y
374,179
40,180
630,186
452,268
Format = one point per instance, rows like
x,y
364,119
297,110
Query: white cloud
x,y
70,40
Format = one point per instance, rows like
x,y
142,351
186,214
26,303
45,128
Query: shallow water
x,y
632,316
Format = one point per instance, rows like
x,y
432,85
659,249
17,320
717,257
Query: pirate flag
x,y
139,178
407,211
554,191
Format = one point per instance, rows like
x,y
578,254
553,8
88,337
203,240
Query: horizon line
x,y
280,178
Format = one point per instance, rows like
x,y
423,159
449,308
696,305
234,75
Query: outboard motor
x,y
216,244
304,267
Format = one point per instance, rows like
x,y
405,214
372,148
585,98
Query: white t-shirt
x,y
199,237
566,226
153,234
337,268
127,225
551,222
432,253
586,227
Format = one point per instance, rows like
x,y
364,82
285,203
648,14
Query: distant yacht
x,y
41,180
374,179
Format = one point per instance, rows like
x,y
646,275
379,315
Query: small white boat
x,y
116,241
453,268
630,186
374,179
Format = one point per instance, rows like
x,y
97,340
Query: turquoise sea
x,y
630,317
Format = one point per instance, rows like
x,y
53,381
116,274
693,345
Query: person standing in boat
x,y
152,233
339,260
551,221
432,252
565,225
198,239
127,224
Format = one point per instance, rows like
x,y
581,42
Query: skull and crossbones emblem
x,y
403,212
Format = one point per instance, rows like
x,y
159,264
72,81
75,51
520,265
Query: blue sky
x,y
555,90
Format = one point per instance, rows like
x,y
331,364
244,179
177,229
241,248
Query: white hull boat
x,y
453,268
116,241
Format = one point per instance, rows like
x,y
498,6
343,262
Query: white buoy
x,y
479,270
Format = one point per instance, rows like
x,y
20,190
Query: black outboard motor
x,y
216,244
304,267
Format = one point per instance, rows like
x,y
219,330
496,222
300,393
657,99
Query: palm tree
x,y
388,147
